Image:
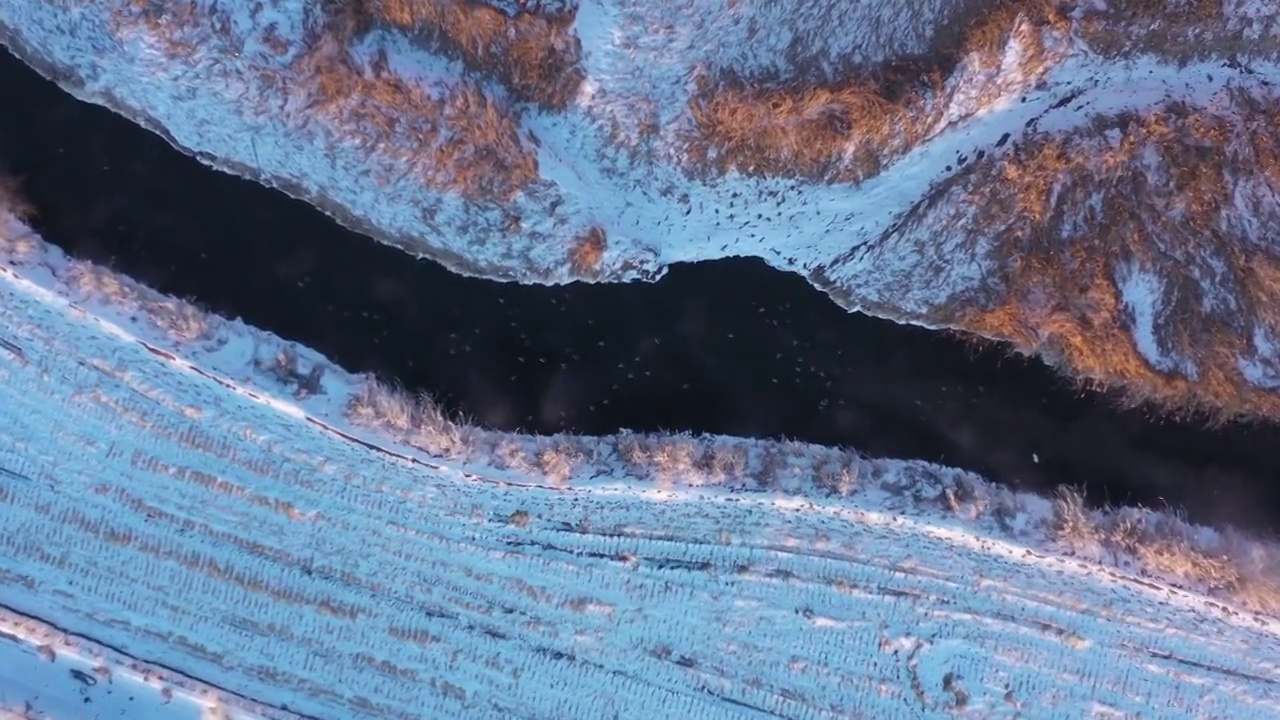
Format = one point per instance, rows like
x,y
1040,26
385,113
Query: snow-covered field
x,y
168,500
241,86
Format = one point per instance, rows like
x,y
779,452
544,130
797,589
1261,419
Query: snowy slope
x,y
206,77
242,86
166,499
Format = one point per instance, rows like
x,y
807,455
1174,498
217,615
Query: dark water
x,y
726,347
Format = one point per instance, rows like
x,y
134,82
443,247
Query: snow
x,y
1141,292
169,501
48,675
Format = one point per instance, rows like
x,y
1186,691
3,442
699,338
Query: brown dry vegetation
x,y
461,138
587,251
1163,545
847,131
1169,192
467,141
536,56
1180,30
180,321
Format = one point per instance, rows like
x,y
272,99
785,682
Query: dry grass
x,y
467,141
418,422
587,251
461,139
848,131
19,243
561,457
535,55
178,320
1172,194
1165,546
1180,30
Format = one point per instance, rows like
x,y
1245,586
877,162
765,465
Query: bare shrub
x,y
19,243
838,478
1072,524
283,366
1163,545
437,434
512,455
379,405
681,458
632,450
966,498
721,463
180,320
672,458
1166,547
93,280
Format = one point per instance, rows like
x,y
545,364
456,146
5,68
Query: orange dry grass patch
x,y
806,132
465,141
535,56
587,252
1160,194
988,33
847,132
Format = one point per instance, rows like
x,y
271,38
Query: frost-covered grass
x,y
606,139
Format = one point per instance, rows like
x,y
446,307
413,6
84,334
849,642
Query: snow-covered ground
x,y
46,674
168,499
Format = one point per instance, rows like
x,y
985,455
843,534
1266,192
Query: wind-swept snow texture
x,y
165,499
